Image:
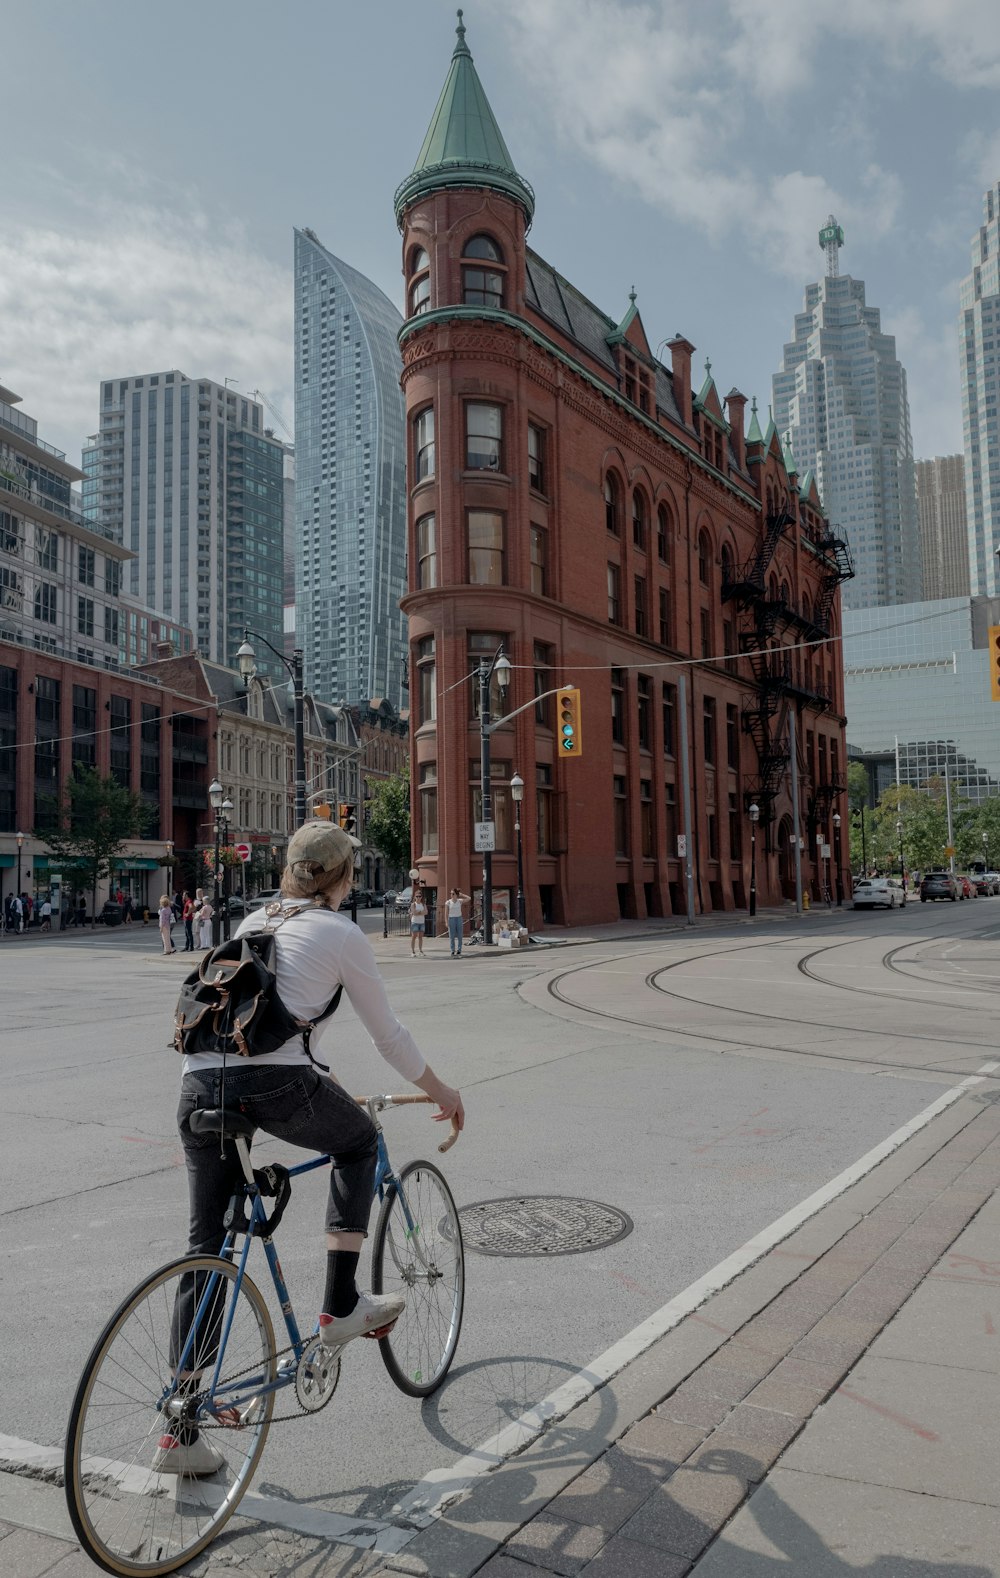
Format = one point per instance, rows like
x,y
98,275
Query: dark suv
x,y
938,885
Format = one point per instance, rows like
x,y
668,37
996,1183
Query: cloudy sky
x,y
157,157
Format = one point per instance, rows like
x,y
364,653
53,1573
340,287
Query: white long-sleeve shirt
x,y
316,951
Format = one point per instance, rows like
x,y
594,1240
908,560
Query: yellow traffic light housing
x,y
347,817
568,721
995,662
323,810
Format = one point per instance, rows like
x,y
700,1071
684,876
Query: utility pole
x,y
686,775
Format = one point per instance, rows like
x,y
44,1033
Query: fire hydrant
x,y
805,899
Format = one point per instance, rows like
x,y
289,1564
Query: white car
x,y
882,892
263,899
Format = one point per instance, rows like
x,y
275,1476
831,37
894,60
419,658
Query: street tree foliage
x,y
917,820
94,819
387,820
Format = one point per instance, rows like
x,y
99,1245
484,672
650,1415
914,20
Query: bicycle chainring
x,y
316,1376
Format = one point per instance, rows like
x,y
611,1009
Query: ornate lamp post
x,y
246,658
517,795
500,666
840,879
226,811
899,840
986,851
753,812
20,844
216,795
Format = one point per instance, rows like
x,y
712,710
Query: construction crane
x,y
258,394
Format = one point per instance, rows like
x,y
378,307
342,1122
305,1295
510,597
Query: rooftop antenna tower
x,y
831,239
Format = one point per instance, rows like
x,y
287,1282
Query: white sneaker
x,y
198,1458
372,1313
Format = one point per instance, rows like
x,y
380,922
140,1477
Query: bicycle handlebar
x,y
409,1101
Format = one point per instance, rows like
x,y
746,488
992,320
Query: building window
x,y
612,505
483,644
539,555
426,666
664,616
735,829
614,595
644,692
121,740
620,816
663,531
727,562
669,720
732,738
705,623
536,457
500,797
423,442
426,553
639,518
46,548
708,729
85,616
486,548
543,682
111,626
618,706
85,563
729,645
670,818
428,808
482,286
112,576
420,288
483,437
84,745
646,819
712,829
641,610
543,808
704,558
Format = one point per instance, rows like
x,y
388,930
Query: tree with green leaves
x,y
857,807
387,820
94,819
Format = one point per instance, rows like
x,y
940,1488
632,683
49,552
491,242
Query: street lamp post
x,y
226,810
246,658
986,851
864,846
902,868
753,813
501,667
840,879
517,795
216,795
20,843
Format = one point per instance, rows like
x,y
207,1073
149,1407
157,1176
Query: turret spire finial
x,y
461,48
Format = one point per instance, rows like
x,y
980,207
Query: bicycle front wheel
x,y
417,1252
133,1513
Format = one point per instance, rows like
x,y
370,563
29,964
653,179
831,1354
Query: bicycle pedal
x,y
382,1331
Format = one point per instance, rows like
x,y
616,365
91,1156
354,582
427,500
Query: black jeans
x,y
188,936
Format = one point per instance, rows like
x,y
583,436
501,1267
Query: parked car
x,y
388,897
237,906
984,883
938,885
966,890
879,893
366,898
262,899
404,898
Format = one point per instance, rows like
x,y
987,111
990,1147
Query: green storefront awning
x,y
9,860
142,864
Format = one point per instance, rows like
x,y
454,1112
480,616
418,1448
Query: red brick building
x,y
573,499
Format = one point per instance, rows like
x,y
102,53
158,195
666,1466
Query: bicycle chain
x,y
276,1419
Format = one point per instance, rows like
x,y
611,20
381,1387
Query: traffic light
x,y
568,721
347,817
995,662
323,810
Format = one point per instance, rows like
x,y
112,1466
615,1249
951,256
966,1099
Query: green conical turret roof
x,y
755,436
463,145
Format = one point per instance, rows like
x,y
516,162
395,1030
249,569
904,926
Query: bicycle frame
x,y
249,1388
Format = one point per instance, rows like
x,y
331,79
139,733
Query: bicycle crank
x,y
316,1376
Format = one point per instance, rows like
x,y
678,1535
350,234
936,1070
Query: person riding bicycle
x,y
316,950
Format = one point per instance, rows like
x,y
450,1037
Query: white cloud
x,y
137,290
931,358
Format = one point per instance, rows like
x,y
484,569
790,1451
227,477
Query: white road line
x,y
427,1500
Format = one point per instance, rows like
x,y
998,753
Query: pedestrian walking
x,y
166,917
15,915
187,916
81,911
46,916
205,916
456,921
418,922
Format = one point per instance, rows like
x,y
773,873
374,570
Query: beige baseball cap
x,y
321,844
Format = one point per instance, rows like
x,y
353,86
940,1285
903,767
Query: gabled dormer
x,y
634,359
711,418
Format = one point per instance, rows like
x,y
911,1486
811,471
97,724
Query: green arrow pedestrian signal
x,y
568,716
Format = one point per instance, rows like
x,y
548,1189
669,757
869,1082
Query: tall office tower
x,y
288,593
944,543
350,480
183,473
840,401
979,349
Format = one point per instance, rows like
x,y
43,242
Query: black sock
x,y
341,1294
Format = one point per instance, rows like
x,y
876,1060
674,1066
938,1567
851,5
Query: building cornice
x,y
508,320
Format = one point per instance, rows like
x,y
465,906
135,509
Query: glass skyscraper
x,y
840,400
979,347
350,480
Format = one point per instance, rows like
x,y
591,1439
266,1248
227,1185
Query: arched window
x,y
639,519
786,596
704,558
420,282
728,565
612,504
664,529
482,286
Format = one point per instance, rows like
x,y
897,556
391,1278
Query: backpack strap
x,y
275,919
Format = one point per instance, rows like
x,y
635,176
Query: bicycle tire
x,y
418,1351
130,1519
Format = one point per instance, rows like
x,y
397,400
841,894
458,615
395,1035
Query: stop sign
x,y
243,850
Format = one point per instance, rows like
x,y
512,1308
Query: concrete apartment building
x,y
979,350
840,403
944,542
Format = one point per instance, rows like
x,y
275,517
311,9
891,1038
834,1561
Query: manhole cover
x,y
546,1224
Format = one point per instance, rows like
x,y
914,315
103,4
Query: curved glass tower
x,y
350,480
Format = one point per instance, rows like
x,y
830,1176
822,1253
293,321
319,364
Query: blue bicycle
x,y
217,1369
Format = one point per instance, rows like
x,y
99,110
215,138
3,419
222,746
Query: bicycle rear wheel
x,y
417,1251
130,1516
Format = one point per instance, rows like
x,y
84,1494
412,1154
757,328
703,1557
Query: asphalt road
x,y
704,1083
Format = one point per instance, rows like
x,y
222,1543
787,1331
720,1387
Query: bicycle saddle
x,y
210,1120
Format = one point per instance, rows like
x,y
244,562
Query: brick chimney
x,y
164,649
681,352
736,404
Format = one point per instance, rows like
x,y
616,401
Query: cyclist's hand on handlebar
x,y
448,1099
